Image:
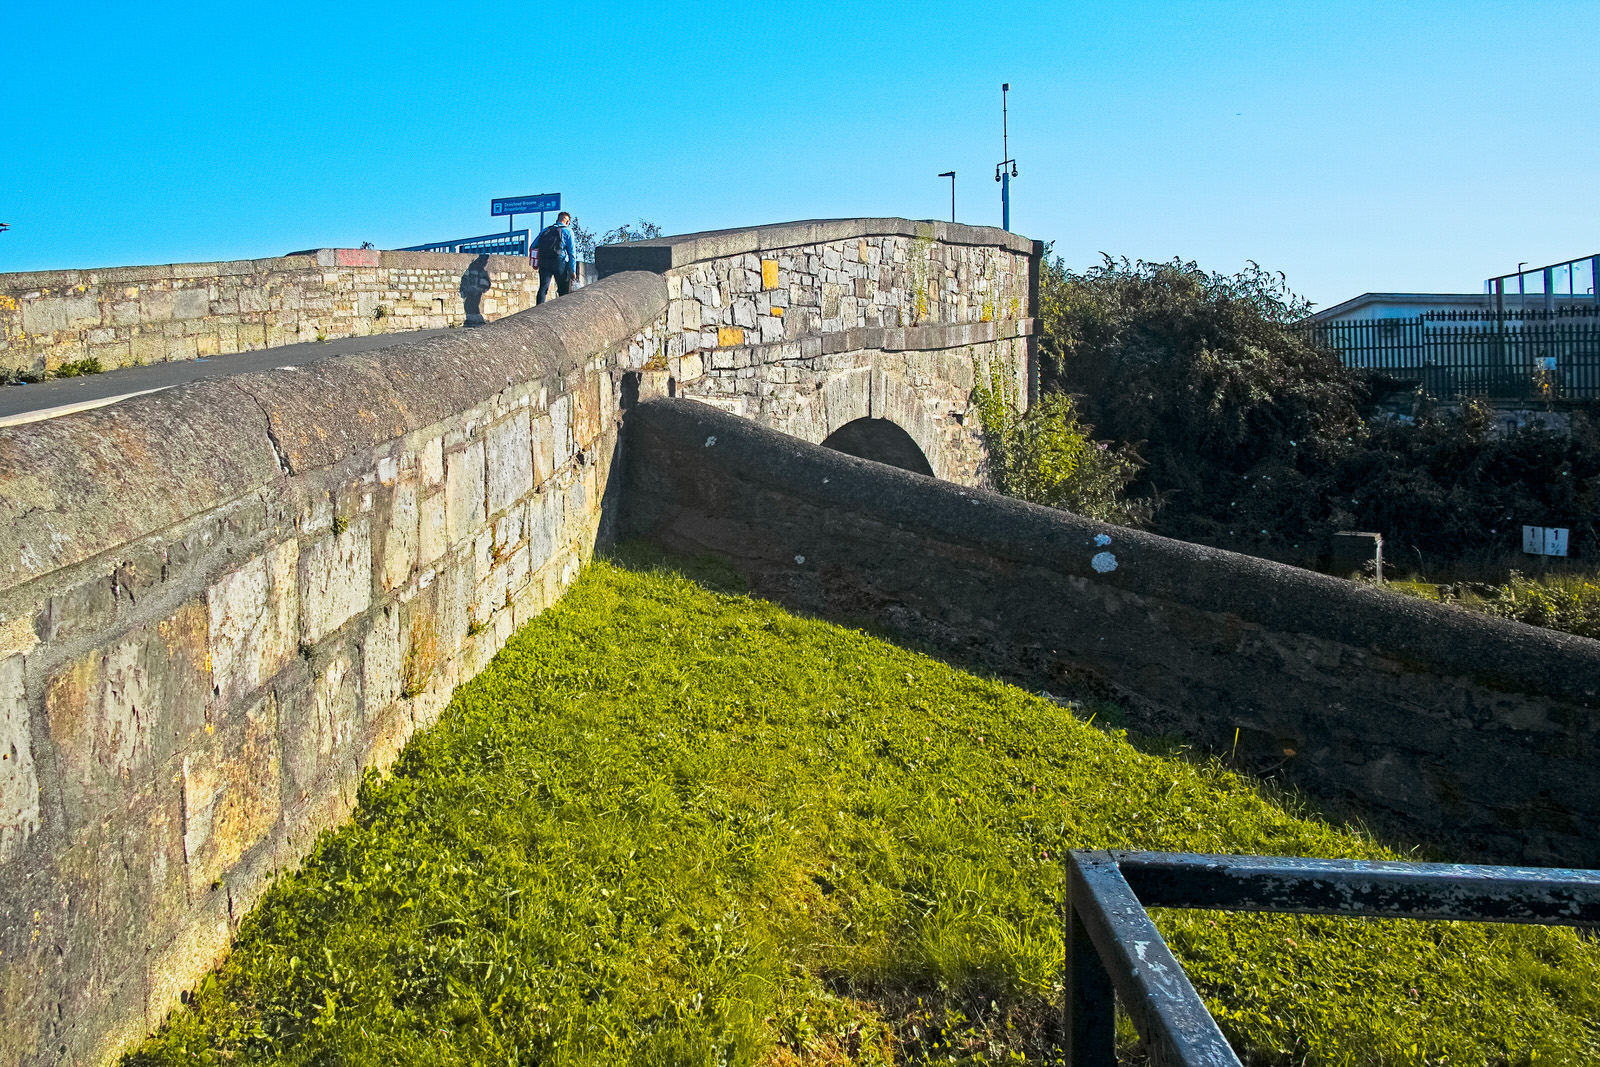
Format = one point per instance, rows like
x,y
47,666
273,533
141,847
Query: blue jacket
x,y
569,252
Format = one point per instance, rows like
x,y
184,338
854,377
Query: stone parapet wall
x,y
127,316
805,327
1476,735
221,604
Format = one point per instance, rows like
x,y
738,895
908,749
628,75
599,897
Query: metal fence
x,y
1520,355
1114,950
510,243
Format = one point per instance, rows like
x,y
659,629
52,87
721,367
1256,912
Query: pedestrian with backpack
x,y
558,257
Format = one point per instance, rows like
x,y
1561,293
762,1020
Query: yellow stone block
x,y
777,313
769,274
729,335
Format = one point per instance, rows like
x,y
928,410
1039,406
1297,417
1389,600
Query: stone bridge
x,y
858,334
222,604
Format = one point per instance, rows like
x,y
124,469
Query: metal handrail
x,y
1114,950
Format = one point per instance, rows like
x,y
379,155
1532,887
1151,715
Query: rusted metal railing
x,y
1115,951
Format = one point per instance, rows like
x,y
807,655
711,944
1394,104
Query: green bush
x,y
1257,440
1047,456
672,826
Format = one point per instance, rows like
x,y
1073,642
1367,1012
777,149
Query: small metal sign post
x,y
524,205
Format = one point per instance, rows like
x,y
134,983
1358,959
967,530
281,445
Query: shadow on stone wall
x,y
474,283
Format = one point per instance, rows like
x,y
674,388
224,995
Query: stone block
x,y
586,411
79,611
254,622
335,579
381,675
155,305
201,944
191,304
231,793
430,460
464,492
769,274
546,520
561,429
543,447
335,700
401,536
19,785
433,535
51,314
118,711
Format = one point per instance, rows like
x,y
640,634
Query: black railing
x,y
1114,950
1520,355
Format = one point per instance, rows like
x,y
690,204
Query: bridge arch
x,y
880,440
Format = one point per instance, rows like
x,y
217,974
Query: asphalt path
x,y
46,400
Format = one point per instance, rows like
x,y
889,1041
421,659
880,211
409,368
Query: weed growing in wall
x,y
918,270
670,825
74,369
1046,456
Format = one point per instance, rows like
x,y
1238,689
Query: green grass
x,y
675,826
1569,602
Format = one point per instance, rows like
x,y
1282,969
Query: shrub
x,y
1048,457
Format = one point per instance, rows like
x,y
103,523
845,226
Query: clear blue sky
x,y
1411,146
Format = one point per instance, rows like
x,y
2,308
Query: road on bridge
x,y
46,400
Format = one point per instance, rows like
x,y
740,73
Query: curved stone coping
x,y
1497,653
665,253
76,486
297,261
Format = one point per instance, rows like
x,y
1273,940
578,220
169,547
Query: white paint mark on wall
x,y
800,560
711,440
1103,562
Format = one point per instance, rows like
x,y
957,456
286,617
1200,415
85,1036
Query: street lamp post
x,y
1001,174
952,176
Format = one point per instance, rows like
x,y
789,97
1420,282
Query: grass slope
x,y
672,826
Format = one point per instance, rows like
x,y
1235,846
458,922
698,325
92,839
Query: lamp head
x,y
1013,170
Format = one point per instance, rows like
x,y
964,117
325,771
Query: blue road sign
x,y
524,205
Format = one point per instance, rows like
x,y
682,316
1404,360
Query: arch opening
x,y
882,441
